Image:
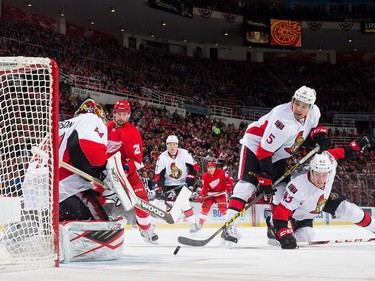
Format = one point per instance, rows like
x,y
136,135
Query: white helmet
x,y
321,163
172,138
306,95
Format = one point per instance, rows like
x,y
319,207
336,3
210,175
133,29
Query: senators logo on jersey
x,y
176,173
319,205
296,145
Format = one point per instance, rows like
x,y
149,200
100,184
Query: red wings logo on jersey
x,y
296,145
113,146
176,173
319,205
214,183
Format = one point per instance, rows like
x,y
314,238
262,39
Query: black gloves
x,y
286,238
265,184
320,136
363,142
159,194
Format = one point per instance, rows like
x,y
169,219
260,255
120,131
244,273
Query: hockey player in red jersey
x,y
83,144
267,144
125,137
309,193
216,188
174,168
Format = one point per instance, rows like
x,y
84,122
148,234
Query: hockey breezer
x,y
200,243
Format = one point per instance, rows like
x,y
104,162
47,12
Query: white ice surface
x,y
251,259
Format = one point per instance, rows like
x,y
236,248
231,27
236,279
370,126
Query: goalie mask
x,y
305,95
90,106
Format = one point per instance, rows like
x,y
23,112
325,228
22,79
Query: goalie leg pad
x,y
117,181
91,240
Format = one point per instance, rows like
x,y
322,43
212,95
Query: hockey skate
x,y
271,235
149,236
195,227
230,236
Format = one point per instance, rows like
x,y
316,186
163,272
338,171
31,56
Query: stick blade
x,y
191,242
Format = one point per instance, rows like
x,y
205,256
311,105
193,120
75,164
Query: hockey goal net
x,y
29,184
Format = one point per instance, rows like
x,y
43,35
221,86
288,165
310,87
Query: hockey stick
x,y
214,195
170,217
200,243
336,241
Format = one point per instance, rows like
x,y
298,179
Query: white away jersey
x,y
304,198
279,132
175,168
90,133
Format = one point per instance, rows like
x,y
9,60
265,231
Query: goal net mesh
x,y
28,192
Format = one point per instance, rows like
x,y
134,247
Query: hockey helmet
x,y
305,95
90,106
122,106
210,164
172,138
321,163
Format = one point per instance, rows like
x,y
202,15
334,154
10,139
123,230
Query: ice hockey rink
x,y
251,259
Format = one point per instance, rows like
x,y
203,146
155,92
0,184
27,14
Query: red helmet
x,y
210,164
122,106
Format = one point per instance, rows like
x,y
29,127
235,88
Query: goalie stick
x,y
170,217
200,243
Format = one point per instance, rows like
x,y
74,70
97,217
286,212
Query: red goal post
x,y
29,110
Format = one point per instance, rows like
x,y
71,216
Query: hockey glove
x,y
265,184
286,238
111,195
362,143
194,196
159,194
200,199
320,136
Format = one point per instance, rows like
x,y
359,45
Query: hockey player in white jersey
x,y
83,144
175,167
307,194
267,144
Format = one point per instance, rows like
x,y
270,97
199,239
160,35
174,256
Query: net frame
x,y
29,224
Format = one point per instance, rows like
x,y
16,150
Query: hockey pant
x,y
221,202
82,206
